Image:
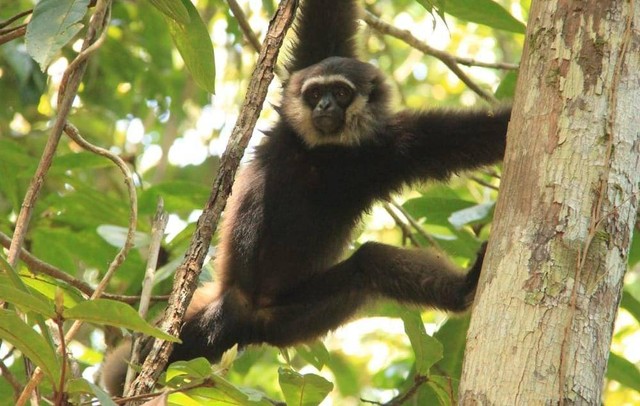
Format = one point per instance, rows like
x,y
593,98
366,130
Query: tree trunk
x,y
543,318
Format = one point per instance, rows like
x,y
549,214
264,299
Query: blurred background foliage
x,y
138,100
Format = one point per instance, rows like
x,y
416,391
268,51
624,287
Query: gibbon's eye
x,y
312,96
343,95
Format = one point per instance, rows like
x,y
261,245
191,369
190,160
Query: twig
x,y
73,133
483,183
244,25
72,78
416,226
13,34
403,226
8,376
18,16
59,396
418,381
444,57
187,273
157,233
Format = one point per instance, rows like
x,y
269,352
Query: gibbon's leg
x,y
330,298
422,277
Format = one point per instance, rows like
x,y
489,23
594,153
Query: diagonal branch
x,y
449,60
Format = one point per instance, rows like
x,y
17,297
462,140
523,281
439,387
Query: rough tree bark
x,y
543,318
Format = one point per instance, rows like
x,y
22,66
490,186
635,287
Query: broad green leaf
x,y
486,12
26,301
30,343
471,214
453,336
303,390
428,350
172,9
195,368
113,313
48,287
507,88
79,385
194,44
221,392
444,388
315,353
53,24
623,371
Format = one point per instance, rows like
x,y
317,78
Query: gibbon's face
x,y
339,101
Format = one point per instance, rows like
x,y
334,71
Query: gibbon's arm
x,y
323,28
437,143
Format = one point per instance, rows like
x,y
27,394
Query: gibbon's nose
x,y
326,104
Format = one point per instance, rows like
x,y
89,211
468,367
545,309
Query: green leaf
x,y
453,336
486,12
221,392
315,353
461,218
507,88
630,304
194,44
53,24
26,301
303,390
79,385
30,343
428,350
623,371
172,9
113,313
196,368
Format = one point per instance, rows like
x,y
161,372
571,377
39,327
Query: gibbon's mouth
x,y
328,124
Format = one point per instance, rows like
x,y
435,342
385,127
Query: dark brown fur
x,y
280,277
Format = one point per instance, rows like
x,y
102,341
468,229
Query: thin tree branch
x,y
417,226
187,273
16,17
157,233
484,183
444,57
244,25
12,380
406,230
73,133
13,34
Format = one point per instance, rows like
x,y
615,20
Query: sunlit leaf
x,y
485,12
30,343
79,385
173,9
507,88
623,371
314,353
453,336
194,44
630,304
303,390
113,313
26,301
221,392
428,350
53,24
